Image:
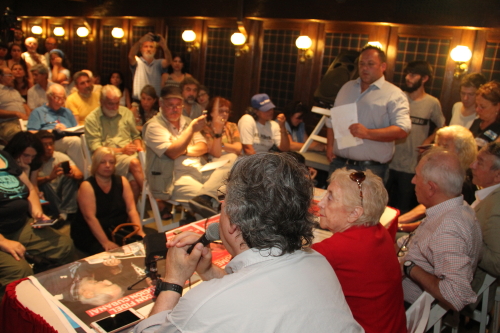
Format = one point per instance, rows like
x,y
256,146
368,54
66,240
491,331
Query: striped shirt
x,y
447,244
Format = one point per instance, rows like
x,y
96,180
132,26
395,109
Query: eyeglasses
x,y
404,247
359,177
174,107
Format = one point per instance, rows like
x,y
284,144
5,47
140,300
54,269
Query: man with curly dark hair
x,y
275,282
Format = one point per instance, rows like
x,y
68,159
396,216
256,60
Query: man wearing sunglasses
x,y
441,255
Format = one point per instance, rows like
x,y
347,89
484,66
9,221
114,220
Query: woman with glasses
x,y
361,251
222,136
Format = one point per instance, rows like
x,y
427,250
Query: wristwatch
x,y
407,267
217,135
165,286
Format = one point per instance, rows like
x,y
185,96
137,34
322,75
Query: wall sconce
x,y
238,39
461,55
59,31
304,43
36,30
118,34
83,32
376,44
189,36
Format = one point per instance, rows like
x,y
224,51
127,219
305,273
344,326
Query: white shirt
x,y
11,100
262,137
483,193
296,292
37,96
458,119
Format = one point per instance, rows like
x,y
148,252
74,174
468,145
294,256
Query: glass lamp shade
x,y
303,42
188,36
461,54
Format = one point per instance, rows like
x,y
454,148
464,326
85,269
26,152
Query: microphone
x,y
210,235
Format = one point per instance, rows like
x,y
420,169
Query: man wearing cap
x,y
30,56
383,116
174,149
37,95
258,132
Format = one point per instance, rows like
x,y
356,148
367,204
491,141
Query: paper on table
x,y
74,129
213,165
342,117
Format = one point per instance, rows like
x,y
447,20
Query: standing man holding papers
x,y
380,115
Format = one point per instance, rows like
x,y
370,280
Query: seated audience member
x,y
18,38
55,118
296,129
459,140
486,175
21,81
146,69
27,150
361,251
464,112
85,99
14,57
174,157
486,128
175,72
270,269
59,187
147,108
12,105
116,79
31,56
105,200
59,72
113,126
4,50
17,236
189,88
37,95
203,97
222,136
258,132
441,255
50,44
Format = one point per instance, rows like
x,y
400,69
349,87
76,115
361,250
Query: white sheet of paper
x,y
342,117
213,165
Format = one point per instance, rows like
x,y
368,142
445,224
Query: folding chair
x,y
313,159
481,316
141,203
88,157
417,315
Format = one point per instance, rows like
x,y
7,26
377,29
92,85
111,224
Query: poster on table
x,y
111,282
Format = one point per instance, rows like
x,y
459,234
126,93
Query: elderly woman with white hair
x,y
361,251
105,200
460,141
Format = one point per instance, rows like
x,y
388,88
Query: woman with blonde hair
x,y
105,200
460,141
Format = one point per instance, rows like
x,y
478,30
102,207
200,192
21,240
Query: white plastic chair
x,y
141,203
88,157
482,316
417,315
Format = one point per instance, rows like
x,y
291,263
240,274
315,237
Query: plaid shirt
x,y
447,244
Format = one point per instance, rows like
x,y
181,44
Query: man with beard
x,y
382,113
31,56
424,108
146,69
112,125
189,87
85,99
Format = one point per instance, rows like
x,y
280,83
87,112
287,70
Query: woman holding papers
x,y
105,200
361,250
222,136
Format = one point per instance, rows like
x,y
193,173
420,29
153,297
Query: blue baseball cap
x,y
262,102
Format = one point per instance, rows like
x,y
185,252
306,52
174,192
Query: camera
x,y
156,38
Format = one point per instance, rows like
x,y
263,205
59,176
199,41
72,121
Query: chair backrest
x,y
418,313
87,155
389,220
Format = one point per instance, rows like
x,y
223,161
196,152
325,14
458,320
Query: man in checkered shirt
x,y
441,255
